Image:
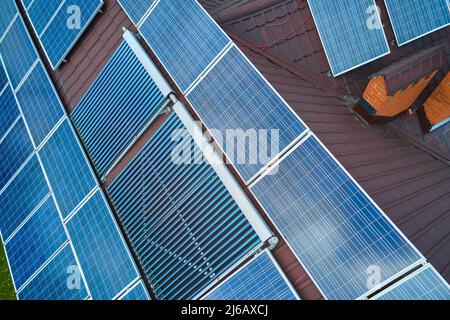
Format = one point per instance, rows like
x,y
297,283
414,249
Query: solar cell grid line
x,y
334,228
7,14
10,111
259,279
51,282
136,9
36,241
58,39
21,196
184,38
3,77
138,292
117,107
163,205
15,148
39,103
17,63
41,13
103,254
351,33
414,19
234,97
424,284
27,3
67,168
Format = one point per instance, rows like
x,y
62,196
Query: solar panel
x,y
137,293
67,168
3,77
7,14
413,19
351,33
39,103
182,222
424,284
15,148
18,52
117,107
136,9
21,196
60,24
102,253
260,279
234,97
10,111
337,232
185,39
51,282
35,242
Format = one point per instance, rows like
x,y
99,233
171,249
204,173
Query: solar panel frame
x,y
262,267
183,84
257,80
424,278
420,259
99,272
138,292
396,27
10,111
137,12
335,72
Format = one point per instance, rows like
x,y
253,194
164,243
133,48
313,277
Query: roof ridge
x,y
292,67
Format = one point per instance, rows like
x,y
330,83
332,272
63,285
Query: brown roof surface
x,y
408,183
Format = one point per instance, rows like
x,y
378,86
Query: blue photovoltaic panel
x,y
39,103
3,77
102,253
67,168
18,52
182,222
26,3
136,9
424,284
9,10
41,12
22,195
10,110
233,96
15,148
184,37
58,39
121,102
35,242
333,227
412,19
51,282
137,293
351,32
260,279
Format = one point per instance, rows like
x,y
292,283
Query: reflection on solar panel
x,y
413,19
67,168
182,34
41,236
21,196
9,10
123,100
15,148
333,227
183,223
18,52
10,111
260,279
39,103
59,25
136,9
233,97
424,284
51,282
137,293
351,32
101,250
